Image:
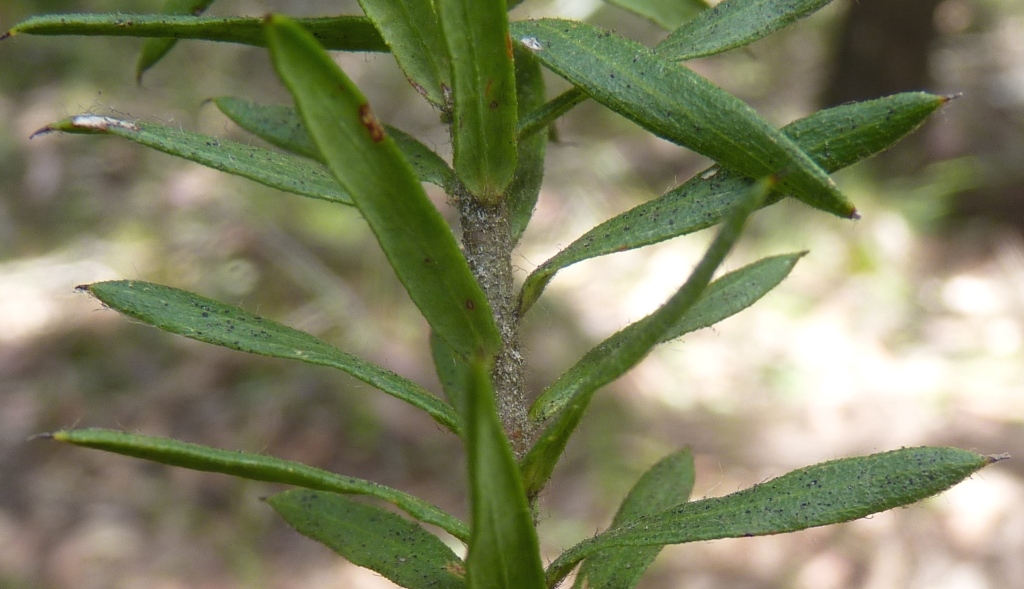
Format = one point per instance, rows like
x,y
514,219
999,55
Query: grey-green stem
x,y
487,244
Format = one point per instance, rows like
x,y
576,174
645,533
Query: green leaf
x,y
666,484
503,549
368,536
675,103
452,372
632,344
428,166
337,33
413,33
734,23
667,14
206,320
728,25
529,175
153,50
835,138
844,135
270,168
734,292
282,126
483,94
415,238
278,125
255,467
827,493
723,298
541,118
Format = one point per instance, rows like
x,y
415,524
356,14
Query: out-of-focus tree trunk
x,y
883,49
886,46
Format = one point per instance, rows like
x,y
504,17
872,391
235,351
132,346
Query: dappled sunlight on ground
x,y
887,334
920,346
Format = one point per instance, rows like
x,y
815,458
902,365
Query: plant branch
x,y
487,244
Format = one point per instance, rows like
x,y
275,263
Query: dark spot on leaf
x,y
470,305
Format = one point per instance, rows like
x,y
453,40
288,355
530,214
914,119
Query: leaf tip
x,y
951,97
40,132
993,458
40,436
6,35
140,70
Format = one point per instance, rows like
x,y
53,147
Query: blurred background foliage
x,y
903,328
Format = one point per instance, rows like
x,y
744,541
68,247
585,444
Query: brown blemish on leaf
x,y
417,87
369,121
470,305
508,47
456,568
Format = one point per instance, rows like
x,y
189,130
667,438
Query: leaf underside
x,y
679,105
827,493
835,138
371,537
666,484
632,344
338,33
255,467
206,320
270,168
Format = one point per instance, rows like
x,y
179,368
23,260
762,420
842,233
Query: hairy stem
x,y
487,242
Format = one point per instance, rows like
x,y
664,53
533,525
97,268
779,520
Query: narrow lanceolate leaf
x,y
541,118
276,124
338,33
413,33
415,238
827,493
723,298
270,168
525,187
503,548
256,467
666,484
834,138
667,14
483,94
734,292
368,536
675,103
206,320
153,50
734,23
633,344
452,371
282,126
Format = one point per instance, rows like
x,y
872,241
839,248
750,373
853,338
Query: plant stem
x,y
487,241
